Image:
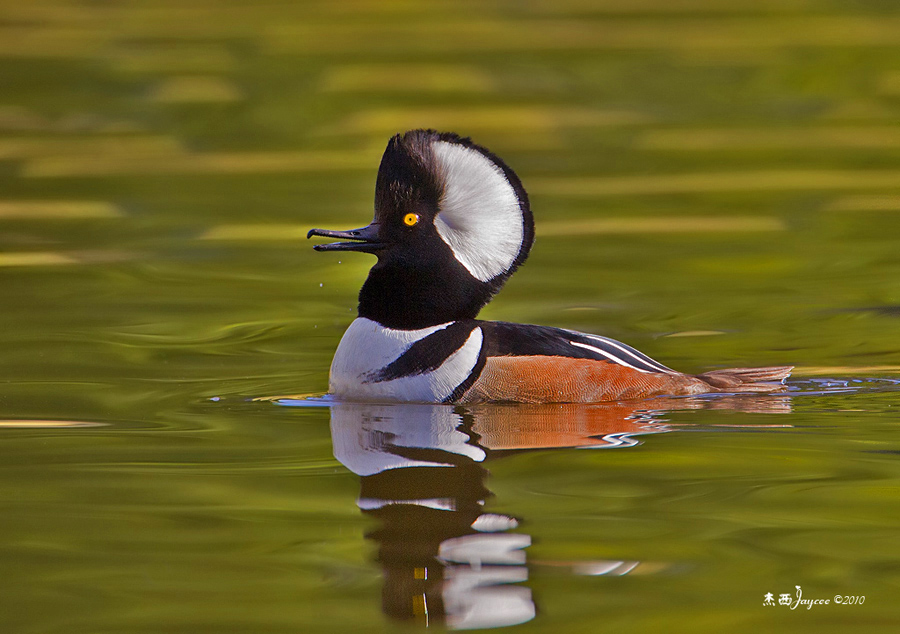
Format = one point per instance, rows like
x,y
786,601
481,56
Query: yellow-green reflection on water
x,y
715,183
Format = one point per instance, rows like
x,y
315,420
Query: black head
x,y
452,223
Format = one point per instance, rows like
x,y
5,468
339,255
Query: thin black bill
x,y
366,239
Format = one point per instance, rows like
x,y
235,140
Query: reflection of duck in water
x,y
445,558
452,223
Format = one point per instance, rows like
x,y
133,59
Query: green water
x,y
715,183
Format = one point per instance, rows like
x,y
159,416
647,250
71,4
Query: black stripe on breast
x,y
516,340
469,381
426,354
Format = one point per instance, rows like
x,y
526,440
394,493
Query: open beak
x,y
366,239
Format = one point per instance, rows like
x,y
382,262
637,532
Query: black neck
x,y
412,297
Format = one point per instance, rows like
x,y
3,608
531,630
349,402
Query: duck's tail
x,y
769,379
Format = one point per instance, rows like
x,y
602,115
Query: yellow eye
x,y
410,220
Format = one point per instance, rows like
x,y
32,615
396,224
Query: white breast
x,y
367,347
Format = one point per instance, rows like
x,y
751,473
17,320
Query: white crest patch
x,y
367,346
479,215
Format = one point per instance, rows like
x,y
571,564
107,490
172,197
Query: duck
x,y
452,222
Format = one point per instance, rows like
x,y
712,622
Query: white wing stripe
x,y
642,358
609,356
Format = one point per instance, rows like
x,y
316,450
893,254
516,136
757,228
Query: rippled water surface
x,y
717,184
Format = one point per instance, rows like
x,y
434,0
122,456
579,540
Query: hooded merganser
x,y
452,224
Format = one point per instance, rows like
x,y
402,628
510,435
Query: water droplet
x,y
320,284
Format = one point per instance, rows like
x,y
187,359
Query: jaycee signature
x,y
785,599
